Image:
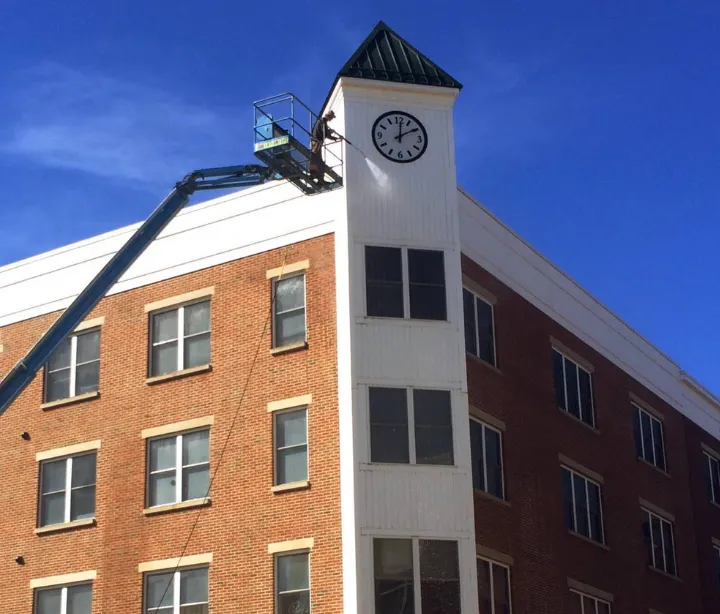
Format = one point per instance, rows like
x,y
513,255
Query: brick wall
x,y
244,516
531,528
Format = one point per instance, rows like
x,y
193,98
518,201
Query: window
x,y
649,438
486,452
289,310
479,327
67,489
716,552
660,542
397,574
179,468
74,599
493,587
411,426
292,583
74,367
583,507
180,592
387,294
573,388
291,448
180,338
713,466
585,604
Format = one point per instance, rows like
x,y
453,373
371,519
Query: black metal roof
x,y
386,56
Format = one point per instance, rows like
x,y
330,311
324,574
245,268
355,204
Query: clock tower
x,y
406,478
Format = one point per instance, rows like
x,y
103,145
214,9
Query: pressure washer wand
x,y
351,145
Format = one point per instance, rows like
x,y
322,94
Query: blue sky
x,y
591,128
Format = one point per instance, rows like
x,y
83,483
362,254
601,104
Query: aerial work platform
x,y
282,135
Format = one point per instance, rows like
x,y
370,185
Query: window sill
x,y
406,321
171,507
70,400
178,374
491,497
588,540
290,486
483,362
65,526
576,419
375,466
649,464
292,347
665,574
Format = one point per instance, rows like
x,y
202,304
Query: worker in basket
x,y
320,132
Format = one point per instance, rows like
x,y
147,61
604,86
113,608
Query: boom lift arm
x,y
207,179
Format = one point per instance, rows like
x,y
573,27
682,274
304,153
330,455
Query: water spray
x,y
382,178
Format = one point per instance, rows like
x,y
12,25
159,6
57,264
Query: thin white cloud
x,y
71,119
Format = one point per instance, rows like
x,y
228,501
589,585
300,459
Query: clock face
x,y
399,136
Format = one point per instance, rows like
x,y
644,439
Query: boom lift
x,y
282,143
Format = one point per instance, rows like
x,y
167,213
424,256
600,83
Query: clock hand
x,y
402,134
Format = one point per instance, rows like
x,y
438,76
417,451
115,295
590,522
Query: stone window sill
x,y
483,362
292,347
576,419
65,526
178,374
70,400
664,573
302,485
171,507
649,464
491,497
588,540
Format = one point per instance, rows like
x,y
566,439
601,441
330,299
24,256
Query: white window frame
x,y
404,259
477,297
181,337
179,467
485,463
714,496
68,460
176,589
275,313
573,473
565,384
650,515
276,591
276,449
652,418
597,601
412,451
73,364
63,594
492,584
417,576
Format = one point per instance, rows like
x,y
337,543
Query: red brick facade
x,y
244,516
531,527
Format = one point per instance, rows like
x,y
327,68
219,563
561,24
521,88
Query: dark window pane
x,y
293,572
88,346
658,555
194,586
60,358
588,604
494,463
637,432
659,448
197,318
197,351
52,509
433,427
393,576
717,564
603,608
568,504
79,599
293,603
470,324
196,481
559,379
586,402
484,580
714,479
82,503
54,476
196,447
669,548
501,585
647,437
426,270
647,535
83,470
157,586
596,528
290,311
439,577
485,331
87,378
163,488
48,601
162,453
477,455
164,358
576,602
57,385
388,426
581,506
165,326
573,399
384,288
